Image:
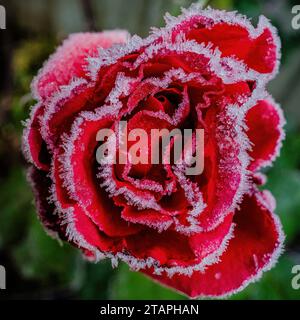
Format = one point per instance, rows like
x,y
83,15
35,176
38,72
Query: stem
x,y
89,14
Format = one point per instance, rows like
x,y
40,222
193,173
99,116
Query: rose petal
x,y
224,178
79,158
69,61
233,35
85,233
265,122
177,253
234,40
34,148
76,226
41,184
252,250
61,111
147,217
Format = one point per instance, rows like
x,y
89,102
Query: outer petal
x,y
69,60
232,34
62,109
254,249
67,63
176,253
76,227
234,40
265,122
34,149
40,184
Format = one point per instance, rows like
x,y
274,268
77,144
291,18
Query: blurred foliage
x,y
39,266
134,285
24,66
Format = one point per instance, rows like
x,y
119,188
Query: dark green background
x,y
39,267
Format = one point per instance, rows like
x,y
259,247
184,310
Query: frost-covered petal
x,y
232,34
265,122
79,175
176,253
256,245
34,148
84,233
62,109
69,61
41,184
75,225
224,179
148,217
258,53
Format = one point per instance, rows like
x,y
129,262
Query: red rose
x,y
204,235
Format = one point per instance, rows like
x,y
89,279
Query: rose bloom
x,y
203,235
